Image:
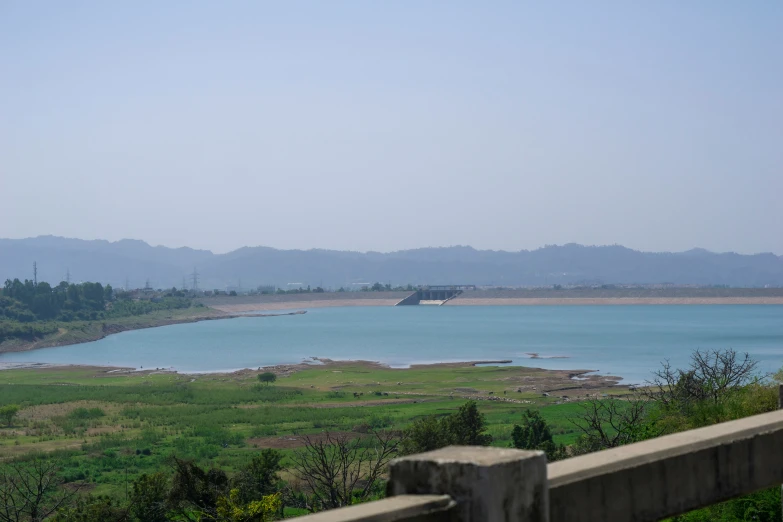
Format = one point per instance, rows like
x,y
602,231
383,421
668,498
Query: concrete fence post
x,y
487,484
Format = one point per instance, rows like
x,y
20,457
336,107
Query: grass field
x,y
109,426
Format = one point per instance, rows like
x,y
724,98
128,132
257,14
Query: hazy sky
x,y
386,125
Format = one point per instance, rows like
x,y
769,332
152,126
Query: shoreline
x,y
107,329
577,377
501,301
613,301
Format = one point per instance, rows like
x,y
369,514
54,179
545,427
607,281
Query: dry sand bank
x,y
298,305
467,300
520,301
239,304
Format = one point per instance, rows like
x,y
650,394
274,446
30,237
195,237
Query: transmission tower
x,y
68,275
194,279
127,285
184,283
35,273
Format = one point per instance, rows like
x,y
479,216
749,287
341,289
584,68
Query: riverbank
x,y
507,297
477,380
87,331
611,301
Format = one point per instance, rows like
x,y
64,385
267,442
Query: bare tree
x,y
712,375
337,469
32,491
610,423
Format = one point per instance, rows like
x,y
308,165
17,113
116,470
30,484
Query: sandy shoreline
x,y
503,301
299,305
544,301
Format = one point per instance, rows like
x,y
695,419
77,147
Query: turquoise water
x,y
628,341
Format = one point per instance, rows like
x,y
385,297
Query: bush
x,y
267,378
8,412
466,427
85,414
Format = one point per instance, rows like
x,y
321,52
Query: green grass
x,y
106,426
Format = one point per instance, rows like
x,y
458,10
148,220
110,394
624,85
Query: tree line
x,y
29,310
27,301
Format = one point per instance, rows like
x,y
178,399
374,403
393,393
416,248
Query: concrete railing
x,y
645,481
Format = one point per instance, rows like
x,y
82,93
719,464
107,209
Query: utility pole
x,y
194,279
35,273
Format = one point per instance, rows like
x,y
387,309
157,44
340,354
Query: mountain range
x,y
137,263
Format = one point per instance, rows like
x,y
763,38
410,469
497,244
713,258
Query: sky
x,y
396,124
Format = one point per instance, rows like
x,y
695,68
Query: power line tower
x,y
194,279
147,286
68,275
35,273
127,285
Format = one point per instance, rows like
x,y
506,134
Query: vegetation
x,y
8,412
161,446
466,427
267,377
535,434
336,470
380,287
31,490
30,311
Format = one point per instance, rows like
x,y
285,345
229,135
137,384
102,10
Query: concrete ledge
x,y
669,475
487,484
408,508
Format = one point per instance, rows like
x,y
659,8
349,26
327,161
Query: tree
x,y
612,422
267,377
194,491
339,471
32,490
713,375
8,412
149,497
534,434
465,427
425,434
468,425
259,477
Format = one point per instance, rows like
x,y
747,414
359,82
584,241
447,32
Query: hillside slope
x,y
113,262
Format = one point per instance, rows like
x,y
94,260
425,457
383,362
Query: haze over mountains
x,y
138,262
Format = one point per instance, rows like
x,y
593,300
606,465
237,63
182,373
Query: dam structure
x,y
436,295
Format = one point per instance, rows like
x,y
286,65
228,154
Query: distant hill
x,y
113,262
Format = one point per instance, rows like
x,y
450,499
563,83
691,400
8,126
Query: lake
x,y
629,341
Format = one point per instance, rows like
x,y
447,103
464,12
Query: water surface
x,y
628,341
